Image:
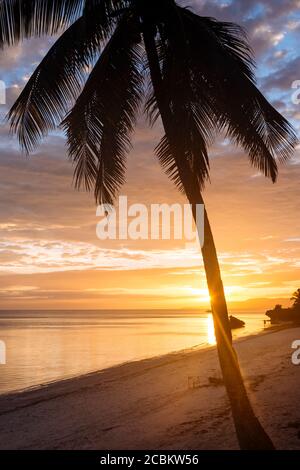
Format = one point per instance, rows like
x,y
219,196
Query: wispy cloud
x,y
49,253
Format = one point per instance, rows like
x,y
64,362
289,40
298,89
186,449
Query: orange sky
x,y
54,259
50,256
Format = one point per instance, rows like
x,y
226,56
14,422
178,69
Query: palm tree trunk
x,y
250,432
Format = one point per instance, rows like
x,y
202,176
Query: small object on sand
x,y
194,382
216,381
236,323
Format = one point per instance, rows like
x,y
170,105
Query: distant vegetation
x,y
291,314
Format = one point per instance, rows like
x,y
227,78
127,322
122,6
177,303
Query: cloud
x,y
49,253
283,78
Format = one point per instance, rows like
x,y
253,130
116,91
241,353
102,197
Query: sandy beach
x,y
171,402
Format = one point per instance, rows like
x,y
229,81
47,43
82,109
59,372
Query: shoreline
x,y
196,348
167,402
31,365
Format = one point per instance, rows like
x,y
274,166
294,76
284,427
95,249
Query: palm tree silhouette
x,y
296,299
197,75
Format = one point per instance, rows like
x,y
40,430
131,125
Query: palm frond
x,y
20,19
190,131
58,80
114,8
99,126
222,76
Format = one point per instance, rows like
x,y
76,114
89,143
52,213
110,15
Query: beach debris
x,y
194,382
216,381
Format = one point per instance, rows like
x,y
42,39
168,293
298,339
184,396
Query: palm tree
x,y
296,299
194,73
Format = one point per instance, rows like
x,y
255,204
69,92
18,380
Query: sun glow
x,y
200,295
211,339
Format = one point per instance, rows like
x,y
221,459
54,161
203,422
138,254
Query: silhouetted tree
x,y
296,299
200,79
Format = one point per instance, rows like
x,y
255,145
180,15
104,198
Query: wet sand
x,y
174,401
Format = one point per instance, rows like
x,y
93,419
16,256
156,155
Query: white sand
x,y
149,405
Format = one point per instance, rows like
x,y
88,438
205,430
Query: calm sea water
x,y
42,346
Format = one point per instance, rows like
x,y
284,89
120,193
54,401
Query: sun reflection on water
x,y
211,339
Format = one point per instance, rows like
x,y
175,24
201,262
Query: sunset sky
x,y
50,256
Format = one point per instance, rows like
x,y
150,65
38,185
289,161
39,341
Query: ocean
x,y
45,346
